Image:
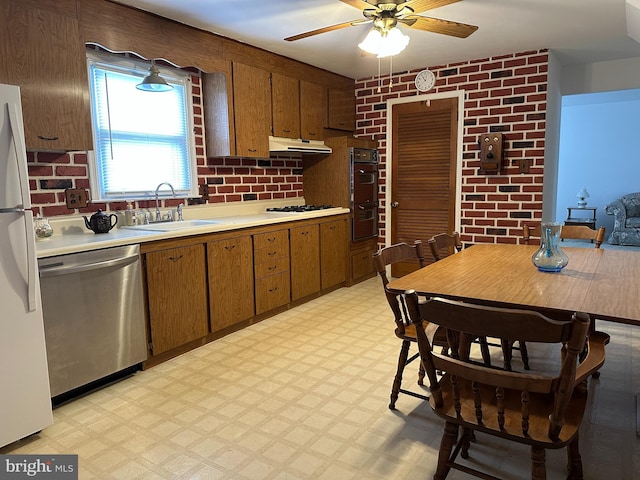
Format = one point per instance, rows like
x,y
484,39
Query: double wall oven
x,y
364,193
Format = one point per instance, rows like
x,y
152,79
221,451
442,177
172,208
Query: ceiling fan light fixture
x,y
154,82
384,43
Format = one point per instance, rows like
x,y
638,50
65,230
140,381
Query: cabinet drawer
x,y
272,292
270,253
277,265
270,239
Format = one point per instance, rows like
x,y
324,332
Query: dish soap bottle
x,y
129,215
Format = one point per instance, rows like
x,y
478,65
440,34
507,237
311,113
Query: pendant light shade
x,y
154,82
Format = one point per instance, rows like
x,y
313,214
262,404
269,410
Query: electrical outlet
x,y
76,197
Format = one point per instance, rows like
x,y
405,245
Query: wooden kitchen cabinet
x,y
342,109
42,52
305,260
333,252
327,180
177,296
271,264
252,110
313,110
230,281
361,255
285,105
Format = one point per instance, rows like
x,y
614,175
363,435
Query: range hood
x,y
296,145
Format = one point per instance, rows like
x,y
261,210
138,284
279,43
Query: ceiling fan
x,y
387,14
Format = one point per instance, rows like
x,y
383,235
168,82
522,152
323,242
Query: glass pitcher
x,y
549,257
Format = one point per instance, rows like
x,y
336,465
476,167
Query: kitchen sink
x,y
172,226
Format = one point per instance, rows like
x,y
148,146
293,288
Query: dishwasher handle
x,y
56,269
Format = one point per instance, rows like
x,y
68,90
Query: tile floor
x,y
304,395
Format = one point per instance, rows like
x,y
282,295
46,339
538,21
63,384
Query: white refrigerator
x,y
25,402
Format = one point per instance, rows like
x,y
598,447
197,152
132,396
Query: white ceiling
x,y
579,31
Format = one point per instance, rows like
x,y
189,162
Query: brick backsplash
x,y
229,179
502,94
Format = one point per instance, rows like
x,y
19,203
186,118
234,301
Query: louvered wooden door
x,y
423,172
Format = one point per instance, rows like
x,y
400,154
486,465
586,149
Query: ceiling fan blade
x,y
326,29
423,5
445,27
359,4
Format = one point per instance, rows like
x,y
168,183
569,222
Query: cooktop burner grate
x,y
299,208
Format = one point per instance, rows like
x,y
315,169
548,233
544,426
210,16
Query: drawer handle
x,y
271,254
273,267
48,139
305,233
252,150
285,130
273,289
271,239
230,247
175,259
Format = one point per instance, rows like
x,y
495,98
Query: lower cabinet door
x,y
305,261
333,253
230,281
272,292
177,294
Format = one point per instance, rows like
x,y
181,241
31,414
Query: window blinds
x,y
142,138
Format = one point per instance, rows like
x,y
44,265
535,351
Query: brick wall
x,y
502,94
220,179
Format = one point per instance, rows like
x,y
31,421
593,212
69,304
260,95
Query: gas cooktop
x,y
299,208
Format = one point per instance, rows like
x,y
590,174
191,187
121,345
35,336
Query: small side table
x,y
581,216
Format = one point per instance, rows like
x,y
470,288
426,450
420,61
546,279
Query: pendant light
x,y
154,82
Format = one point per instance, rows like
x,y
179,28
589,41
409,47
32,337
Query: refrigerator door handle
x,y
32,261
20,150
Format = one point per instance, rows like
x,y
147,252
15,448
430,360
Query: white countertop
x,y
71,236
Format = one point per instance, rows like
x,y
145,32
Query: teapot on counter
x,y
100,222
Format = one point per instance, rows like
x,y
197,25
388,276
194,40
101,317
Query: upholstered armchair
x,y
626,226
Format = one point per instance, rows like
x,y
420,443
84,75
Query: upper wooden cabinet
x,y
285,105
342,109
218,113
252,107
313,110
42,52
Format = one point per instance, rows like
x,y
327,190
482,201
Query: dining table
x,y
605,283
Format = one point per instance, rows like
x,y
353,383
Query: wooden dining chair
x,y
543,410
405,330
442,245
582,232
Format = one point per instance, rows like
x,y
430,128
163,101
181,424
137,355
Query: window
x,y
141,139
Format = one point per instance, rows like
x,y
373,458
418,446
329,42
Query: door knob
x,y
394,204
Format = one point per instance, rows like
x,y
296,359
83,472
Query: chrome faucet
x,y
158,215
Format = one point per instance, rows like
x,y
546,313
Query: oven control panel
x,y
364,155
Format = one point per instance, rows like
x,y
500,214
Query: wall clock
x,y
425,80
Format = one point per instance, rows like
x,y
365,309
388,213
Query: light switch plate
x,y
76,197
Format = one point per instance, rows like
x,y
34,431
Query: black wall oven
x,y
364,193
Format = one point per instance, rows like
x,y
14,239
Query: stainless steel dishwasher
x,y
93,309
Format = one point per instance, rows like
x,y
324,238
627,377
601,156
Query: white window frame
x,y
140,69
